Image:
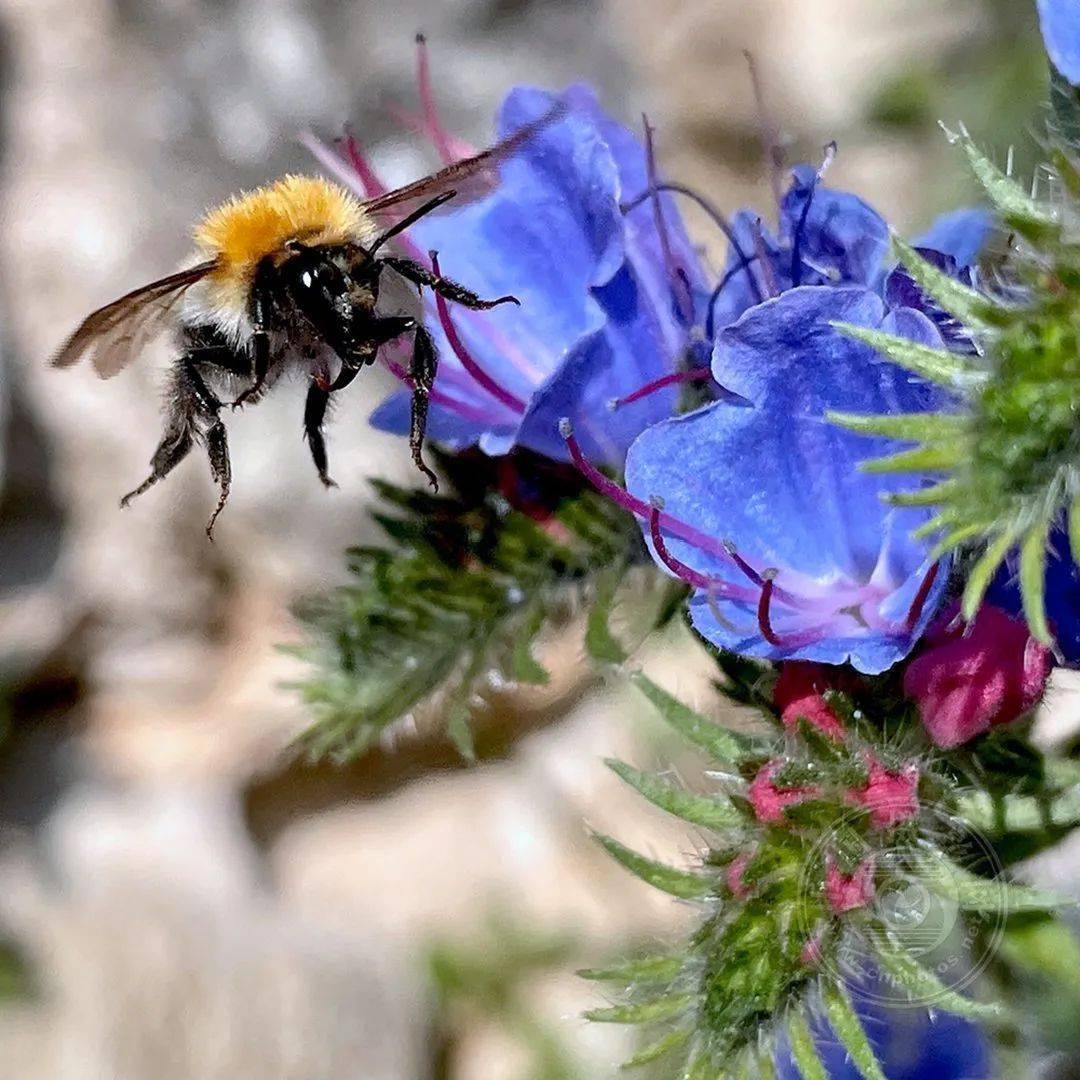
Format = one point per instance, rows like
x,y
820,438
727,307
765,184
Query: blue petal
x,y
960,234
1061,32
598,317
783,484
630,351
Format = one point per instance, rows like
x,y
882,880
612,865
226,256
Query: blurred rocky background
x,y
178,896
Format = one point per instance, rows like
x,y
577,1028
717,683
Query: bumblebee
x,y
288,280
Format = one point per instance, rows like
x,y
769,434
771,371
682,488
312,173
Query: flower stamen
x,y
919,602
764,601
356,157
719,219
432,125
768,275
684,301
690,375
800,228
710,585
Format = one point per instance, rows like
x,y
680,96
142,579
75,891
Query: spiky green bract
x,y
1005,463
801,835
457,597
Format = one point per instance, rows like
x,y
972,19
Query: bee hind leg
x,y
189,399
217,449
422,369
174,447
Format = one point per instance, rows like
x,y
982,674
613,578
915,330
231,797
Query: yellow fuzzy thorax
x,y
241,232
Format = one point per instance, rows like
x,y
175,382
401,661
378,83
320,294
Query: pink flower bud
x,y
768,800
890,797
971,678
799,693
846,893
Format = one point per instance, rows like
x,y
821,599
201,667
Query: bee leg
x,y
425,362
260,365
174,447
190,399
217,449
318,398
458,294
259,344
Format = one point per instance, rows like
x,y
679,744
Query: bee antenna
x,y
411,219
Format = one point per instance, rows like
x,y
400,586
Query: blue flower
x,y
1062,595
789,547
607,299
910,1043
829,237
1061,32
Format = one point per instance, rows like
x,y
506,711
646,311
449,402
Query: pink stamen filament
x,y
660,522
356,157
496,390
919,602
680,286
711,585
437,397
691,375
702,541
434,129
764,601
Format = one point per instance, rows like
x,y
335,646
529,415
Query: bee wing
x,y
471,178
115,334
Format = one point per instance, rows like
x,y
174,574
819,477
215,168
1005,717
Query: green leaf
x,y
931,495
457,727
916,427
1033,580
524,667
968,305
681,883
982,573
709,813
699,1067
1065,105
645,969
654,1051
849,1031
924,987
974,893
641,1012
719,742
461,591
600,643
1000,814
1074,528
935,365
1010,199
803,1050
935,457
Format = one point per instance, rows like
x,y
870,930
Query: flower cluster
x,y
888,628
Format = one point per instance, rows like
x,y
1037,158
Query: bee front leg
x,y
422,370
458,294
318,398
